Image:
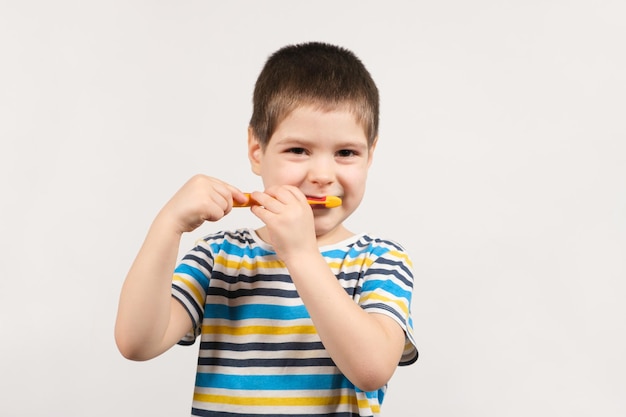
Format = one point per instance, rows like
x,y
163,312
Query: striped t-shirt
x,y
260,354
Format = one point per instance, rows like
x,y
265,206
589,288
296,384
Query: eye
x,y
297,151
345,153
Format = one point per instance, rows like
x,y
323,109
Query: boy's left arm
x,y
366,347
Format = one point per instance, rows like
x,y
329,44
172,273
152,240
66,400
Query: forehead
x,y
311,121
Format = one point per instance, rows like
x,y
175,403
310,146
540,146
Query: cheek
x,y
277,173
354,180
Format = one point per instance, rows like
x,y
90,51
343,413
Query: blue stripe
x,y
406,279
236,250
185,269
255,311
273,382
355,252
386,285
334,253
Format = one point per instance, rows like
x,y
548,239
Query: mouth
x,y
315,198
324,202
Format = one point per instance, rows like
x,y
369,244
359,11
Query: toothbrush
x,y
330,201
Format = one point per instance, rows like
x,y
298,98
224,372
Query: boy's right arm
x,y
149,319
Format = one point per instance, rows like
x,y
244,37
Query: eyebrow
x,y
353,144
295,141
292,140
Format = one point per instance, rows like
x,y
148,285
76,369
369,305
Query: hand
x,y
200,199
289,220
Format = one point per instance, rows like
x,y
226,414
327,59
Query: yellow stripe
x,y
369,261
273,401
279,264
357,261
246,330
189,285
379,297
248,265
367,405
403,256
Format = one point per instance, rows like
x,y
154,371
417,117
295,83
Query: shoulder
x,y
386,257
226,238
376,246
242,243
242,236
378,241
368,252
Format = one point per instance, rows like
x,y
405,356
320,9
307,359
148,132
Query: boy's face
x,y
321,153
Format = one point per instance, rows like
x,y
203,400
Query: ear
x,y
370,152
255,152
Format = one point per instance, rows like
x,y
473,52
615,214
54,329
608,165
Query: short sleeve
x,y
189,286
387,289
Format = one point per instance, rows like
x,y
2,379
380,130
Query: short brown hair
x,y
317,74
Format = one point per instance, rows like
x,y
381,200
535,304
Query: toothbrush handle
x,y
248,203
330,201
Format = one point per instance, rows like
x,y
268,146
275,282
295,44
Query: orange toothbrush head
x,y
330,201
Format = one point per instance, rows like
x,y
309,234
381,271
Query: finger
x,y
227,193
236,194
296,193
240,198
268,201
232,194
262,213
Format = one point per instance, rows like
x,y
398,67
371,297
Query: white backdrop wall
x,y
501,168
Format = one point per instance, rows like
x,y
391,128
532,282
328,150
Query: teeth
x,y
316,198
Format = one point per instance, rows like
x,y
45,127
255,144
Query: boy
x,y
302,316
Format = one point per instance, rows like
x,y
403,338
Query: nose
x,y
322,171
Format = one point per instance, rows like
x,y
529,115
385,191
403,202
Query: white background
x,y
501,168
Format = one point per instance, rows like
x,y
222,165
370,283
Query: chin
x,y
326,230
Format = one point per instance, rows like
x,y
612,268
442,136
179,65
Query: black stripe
x,y
266,363
200,261
245,347
231,279
388,272
208,413
244,292
182,294
204,250
381,306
